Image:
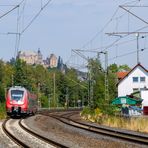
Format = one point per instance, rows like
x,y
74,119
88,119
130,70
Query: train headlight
x,y
20,102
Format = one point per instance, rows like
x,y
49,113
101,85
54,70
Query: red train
x,y
19,101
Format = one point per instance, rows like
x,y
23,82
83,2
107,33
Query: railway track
x,y
20,142
11,136
54,143
136,138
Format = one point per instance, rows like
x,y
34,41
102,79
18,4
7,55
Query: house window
x,y
135,90
135,79
142,79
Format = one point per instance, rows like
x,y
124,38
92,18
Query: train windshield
x,y
17,95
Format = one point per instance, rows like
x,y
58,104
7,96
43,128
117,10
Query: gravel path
x,y
73,137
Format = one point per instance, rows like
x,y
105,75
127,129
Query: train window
x,y
17,95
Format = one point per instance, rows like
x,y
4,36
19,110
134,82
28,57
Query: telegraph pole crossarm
x,y
129,33
123,7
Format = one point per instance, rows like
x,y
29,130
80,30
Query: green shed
x,y
127,100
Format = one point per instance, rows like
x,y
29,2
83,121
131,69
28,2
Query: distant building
x,y
52,61
31,57
40,58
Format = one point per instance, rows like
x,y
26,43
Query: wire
x,y
126,54
127,3
126,42
6,5
34,18
9,11
110,20
114,43
134,15
16,6
100,30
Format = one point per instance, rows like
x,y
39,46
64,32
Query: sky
x,y
66,25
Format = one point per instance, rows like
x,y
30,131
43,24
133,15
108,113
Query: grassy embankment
x,y
2,111
139,124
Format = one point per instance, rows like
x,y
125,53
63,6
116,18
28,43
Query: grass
x,y
2,111
139,124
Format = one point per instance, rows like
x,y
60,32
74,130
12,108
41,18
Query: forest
x,y
62,86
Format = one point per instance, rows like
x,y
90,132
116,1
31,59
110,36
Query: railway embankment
x,y
134,123
72,136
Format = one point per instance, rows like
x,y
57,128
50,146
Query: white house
x,y
134,80
144,96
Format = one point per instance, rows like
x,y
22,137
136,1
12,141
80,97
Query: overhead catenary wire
x,y
119,40
6,5
15,7
128,3
20,12
35,17
19,33
106,25
114,43
133,14
126,54
9,11
100,30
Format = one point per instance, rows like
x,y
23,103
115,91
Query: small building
x,y
129,105
134,80
127,100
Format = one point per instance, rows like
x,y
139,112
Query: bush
x,y
44,101
2,110
87,111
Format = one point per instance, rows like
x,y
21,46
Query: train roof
x,y
17,88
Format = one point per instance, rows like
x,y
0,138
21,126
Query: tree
x,y
2,74
12,61
62,89
1,70
124,68
113,68
20,74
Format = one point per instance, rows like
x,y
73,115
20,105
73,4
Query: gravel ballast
x,y
74,137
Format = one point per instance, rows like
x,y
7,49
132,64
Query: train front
x,y
16,101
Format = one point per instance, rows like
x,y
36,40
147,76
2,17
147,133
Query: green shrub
x,y
2,110
87,111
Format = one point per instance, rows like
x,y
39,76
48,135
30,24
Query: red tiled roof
x,y
122,78
122,74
